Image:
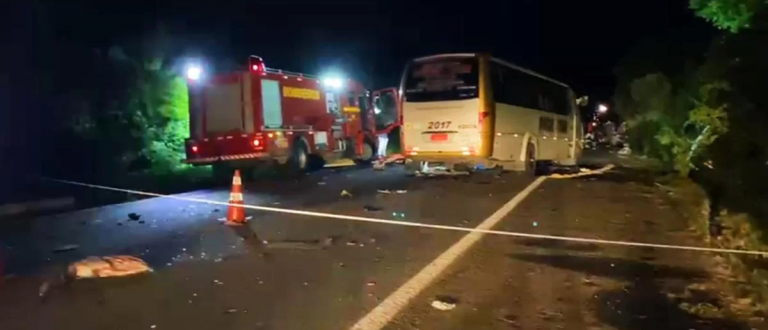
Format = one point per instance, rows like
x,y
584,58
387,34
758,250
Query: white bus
x,y
470,110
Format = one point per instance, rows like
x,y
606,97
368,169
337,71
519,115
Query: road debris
x,y
582,173
134,217
439,171
108,266
345,193
444,303
65,248
352,243
231,311
321,183
371,208
371,283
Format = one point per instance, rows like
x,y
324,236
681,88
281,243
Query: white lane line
x,y
390,307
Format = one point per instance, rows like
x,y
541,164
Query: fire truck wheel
x,y
299,157
368,153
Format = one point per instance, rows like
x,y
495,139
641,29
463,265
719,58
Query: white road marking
x,y
417,224
390,307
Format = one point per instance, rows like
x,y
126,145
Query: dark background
x,y
47,45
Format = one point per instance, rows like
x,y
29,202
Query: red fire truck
x,y
240,119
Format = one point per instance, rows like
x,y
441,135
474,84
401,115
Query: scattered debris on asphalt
x,y
321,183
439,171
134,217
625,151
345,193
371,208
65,248
231,311
387,191
249,217
352,243
108,266
509,318
371,283
582,173
444,303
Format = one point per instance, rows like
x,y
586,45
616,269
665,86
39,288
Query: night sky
x,y
577,42
574,41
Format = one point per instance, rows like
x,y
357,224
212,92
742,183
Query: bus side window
x,y
546,124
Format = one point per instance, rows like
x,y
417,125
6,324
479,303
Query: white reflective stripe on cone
x,y
237,181
236,197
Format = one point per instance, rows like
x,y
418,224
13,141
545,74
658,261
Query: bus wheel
x,y
531,164
299,157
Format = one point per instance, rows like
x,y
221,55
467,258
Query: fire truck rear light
x,y
194,149
413,153
256,143
466,153
255,67
270,135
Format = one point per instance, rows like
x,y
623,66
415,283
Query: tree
x,y
137,120
730,15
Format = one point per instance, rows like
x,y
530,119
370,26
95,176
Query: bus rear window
x,y
443,79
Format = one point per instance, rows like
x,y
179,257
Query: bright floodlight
x,y
194,72
333,82
602,108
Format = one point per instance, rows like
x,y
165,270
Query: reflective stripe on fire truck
x,y
245,156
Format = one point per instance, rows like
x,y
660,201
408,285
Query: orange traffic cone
x,y
236,212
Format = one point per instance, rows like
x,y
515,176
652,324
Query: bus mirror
x,y
582,101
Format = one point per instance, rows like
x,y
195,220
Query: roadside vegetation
x,y
698,105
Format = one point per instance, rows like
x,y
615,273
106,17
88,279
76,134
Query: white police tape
x,y
416,224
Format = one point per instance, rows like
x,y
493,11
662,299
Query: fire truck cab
x,y
240,119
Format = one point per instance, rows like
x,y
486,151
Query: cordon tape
x,y
417,224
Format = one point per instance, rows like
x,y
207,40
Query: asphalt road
x,y
287,271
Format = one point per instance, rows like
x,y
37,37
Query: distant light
x,y
602,108
194,72
376,110
333,82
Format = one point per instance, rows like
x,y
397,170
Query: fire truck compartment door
x,y
224,108
271,101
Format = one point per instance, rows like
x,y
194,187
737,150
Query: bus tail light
x,y
194,149
412,151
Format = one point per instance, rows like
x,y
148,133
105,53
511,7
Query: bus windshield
x,y
443,79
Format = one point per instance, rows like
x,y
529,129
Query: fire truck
x,y
259,115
